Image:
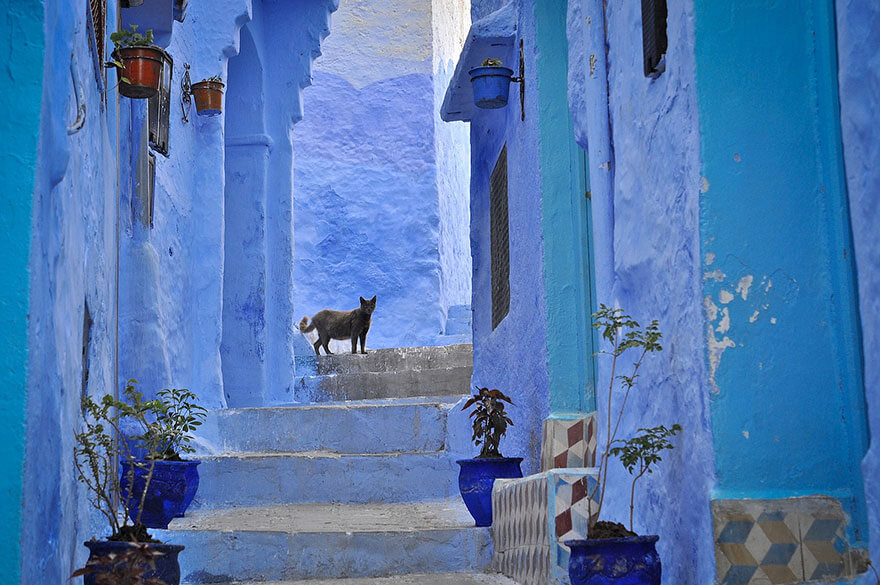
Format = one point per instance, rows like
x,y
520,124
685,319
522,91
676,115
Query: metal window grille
x,y
98,29
160,109
654,39
151,189
499,233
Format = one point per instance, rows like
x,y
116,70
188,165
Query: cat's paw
x,y
363,352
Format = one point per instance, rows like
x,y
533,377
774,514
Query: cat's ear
x,y
373,300
363,300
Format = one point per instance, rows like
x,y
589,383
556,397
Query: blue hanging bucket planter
x,y
476,479
172,489
491,86
614,561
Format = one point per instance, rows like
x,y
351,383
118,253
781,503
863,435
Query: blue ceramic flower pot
x,y
476,479
614,561
491,86
167,566
172,489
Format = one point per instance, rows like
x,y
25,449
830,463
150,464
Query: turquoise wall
x,y
21,39
783,338
565,221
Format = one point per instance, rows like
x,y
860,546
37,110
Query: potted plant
x,y
129,567
209,96
491,84
613,554
478,475
98,447
166,481
138,63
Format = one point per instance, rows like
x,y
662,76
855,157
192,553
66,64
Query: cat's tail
x,y
304,325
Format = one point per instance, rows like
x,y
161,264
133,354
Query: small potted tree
x,y
491,84
130,567
612,554
478,475
138,63
98,446
208,94
165,481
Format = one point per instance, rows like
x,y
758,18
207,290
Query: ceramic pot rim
x,y
490,71
594,542
491,459
161,546
163,462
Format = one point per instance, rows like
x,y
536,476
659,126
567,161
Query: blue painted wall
x,y
643,143
783,339
23,44
373,174
858,35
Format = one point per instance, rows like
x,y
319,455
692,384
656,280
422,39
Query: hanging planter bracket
x,y
521,80
185,93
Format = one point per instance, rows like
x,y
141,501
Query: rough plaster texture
x,y
373,176
20,103
777,258
72,261
646,250
858,23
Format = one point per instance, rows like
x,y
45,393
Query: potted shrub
x,y
478,475
138,63
98,446
209,96
129,567
613,554
491,84
166,482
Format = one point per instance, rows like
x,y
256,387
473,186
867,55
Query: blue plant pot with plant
x,y
478,475
171,491
614,561
613,554
161,562
491,84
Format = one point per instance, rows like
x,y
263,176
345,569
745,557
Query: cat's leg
x,y
363,342
326,342
354,342
317,345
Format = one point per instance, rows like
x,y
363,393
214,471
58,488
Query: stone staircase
x,y
355,492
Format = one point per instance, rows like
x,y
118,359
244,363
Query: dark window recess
x,y
151,189
499,232
160,109
98,32
654,38
86,342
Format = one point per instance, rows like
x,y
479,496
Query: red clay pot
x,y
142,67
209,97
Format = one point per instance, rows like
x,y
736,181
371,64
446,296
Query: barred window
x,y
98,29
654,39
499,233
160,108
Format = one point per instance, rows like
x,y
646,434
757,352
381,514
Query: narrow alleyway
x,y
359,482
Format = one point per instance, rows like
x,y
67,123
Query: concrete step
x,y
449,381
395,359
327,541
263,479
380,426
421,579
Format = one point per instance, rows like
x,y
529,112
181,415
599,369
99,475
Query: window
x,y
160,108
499,233
151,189
654,38
98,34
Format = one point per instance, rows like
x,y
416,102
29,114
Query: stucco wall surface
x,y
22,45
72,262
647,260
380,184
513,357
858,35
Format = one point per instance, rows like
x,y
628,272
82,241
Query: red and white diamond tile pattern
x,y
532,517
568,442
777,542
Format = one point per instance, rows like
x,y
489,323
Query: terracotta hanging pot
x,y
140,72
209,97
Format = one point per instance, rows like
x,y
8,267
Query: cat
x,y
331,324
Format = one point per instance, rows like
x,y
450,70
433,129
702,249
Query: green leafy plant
x,y
490,420
638,454
491,62
131,38
175,422
214,78
127,568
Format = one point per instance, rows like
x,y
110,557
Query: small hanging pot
x,y
491,86
140,72
209,97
